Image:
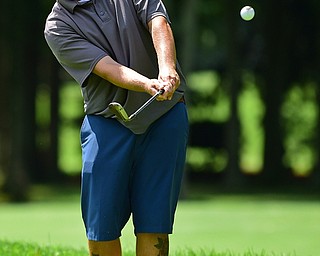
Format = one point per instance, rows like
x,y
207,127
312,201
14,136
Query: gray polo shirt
x,y
81,33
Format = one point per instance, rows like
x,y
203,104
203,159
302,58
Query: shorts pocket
x,y
89,146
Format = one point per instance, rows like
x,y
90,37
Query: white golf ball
x,y
247,13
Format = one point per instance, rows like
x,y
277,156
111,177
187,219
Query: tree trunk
x,y
5,133
189,35
234,178
53,171
275,74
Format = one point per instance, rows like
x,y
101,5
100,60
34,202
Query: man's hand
x,y
170,81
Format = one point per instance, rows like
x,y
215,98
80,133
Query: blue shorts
x,y
124,173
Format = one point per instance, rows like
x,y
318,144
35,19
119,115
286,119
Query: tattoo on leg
x,y
162,246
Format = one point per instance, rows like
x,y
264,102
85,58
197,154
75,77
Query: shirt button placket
x,y
101,12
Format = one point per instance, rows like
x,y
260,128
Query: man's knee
x,y
152,244
105,248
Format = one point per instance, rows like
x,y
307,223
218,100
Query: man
x,y
124,51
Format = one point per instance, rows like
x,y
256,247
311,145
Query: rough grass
x,y
28,249
31,249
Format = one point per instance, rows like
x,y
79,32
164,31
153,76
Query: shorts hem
x,y
153,231
102,239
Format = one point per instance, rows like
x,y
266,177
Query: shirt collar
x,y
71,4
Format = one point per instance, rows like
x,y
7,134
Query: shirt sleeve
x,y
76,54
149,9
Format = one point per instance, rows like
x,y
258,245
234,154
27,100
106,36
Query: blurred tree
x,y
275,83
289,57
51,75
20,79
189,28
21,71
47,166
233,78
316,173
4,95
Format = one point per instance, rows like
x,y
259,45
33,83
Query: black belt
x,y
182,99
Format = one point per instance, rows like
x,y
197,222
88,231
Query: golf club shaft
x,y
147,103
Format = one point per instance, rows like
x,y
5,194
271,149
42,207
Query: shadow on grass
x,y
196,187
211,187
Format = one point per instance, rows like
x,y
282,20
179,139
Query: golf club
x,y
121,113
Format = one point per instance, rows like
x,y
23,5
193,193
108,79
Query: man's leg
x,y
105,197
152,244
109,248
156,181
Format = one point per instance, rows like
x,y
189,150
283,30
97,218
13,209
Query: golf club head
x,y
119,111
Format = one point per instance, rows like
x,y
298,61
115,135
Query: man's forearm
x,y
163,42
164,45
123,77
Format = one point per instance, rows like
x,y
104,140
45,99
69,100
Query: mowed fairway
x,y
239,224
284,225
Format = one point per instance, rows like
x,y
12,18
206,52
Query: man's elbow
x,y
157,22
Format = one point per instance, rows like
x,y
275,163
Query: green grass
x,y
28,249
229,224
